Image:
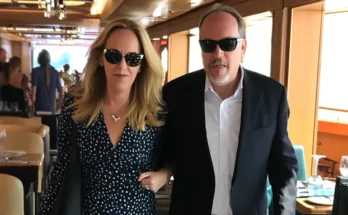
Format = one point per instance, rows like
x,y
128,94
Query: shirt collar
x,y
240,84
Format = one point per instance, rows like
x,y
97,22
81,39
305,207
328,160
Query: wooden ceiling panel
x,y
27,12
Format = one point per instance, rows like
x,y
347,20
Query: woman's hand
x,y
153,180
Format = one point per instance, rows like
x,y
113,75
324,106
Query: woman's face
x,y
121,59
16,70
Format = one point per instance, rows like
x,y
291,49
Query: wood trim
x,y
333,109
280,47
333,128
178,53
303,81
298,3
191,19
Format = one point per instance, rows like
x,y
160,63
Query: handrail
x,y
333,109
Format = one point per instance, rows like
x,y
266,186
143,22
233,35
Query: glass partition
x,y
259,43
195,54
333,88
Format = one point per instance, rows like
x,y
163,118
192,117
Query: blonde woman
x,y
118,115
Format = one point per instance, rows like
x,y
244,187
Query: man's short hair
x,y
218,7
66,66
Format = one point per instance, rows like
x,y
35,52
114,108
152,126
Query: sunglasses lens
x,y
113,56
133,59
208,45
228,44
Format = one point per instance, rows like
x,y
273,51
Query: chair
x,y
20,120
28,142
42,130
269,194
326,167
11,195
301,173
23,140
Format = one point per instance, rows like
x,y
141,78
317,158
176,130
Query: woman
x,y
45,84
117,111
13,92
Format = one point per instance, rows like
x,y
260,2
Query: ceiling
x,y
71,22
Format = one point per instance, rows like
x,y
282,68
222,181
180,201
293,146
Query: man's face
x,y
222,66
3,56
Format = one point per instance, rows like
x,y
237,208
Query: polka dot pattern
x,y
110,174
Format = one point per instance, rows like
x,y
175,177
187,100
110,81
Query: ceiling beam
x,y
109,8
11,37
136,9
63,32
191,19
20,17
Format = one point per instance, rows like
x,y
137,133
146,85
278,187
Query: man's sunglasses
x,y
114,56
227,45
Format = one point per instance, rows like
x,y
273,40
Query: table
x,y
306,208
29,173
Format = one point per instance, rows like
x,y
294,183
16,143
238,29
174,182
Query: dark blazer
x,y
264,148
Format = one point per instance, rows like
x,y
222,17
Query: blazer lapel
x,y
250,103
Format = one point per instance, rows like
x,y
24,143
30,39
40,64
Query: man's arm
x,y
167,154
60,91
33,85
282,165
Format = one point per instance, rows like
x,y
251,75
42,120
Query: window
x,y
259,43
195,53
75,56
333,86
164,59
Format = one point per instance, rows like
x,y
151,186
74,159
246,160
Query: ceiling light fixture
x,y
161,11
195,2
53,8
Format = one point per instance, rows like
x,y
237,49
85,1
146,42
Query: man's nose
x,y
218,52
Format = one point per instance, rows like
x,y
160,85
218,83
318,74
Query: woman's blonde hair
x,y
145,97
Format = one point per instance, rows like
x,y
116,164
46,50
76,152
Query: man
x,y
3,55
227,130
45,83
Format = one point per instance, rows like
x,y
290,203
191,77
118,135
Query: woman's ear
x,y
101,61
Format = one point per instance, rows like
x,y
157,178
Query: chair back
x,y
301,174
30,143
11,195
42,130
24,141
20,120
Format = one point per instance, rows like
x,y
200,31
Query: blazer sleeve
x,y
167,153
282,165
65,127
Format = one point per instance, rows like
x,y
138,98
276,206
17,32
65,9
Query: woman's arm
x,y
155,180
65,127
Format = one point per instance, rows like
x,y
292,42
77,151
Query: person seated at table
x,y
13,93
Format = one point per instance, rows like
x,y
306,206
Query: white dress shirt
x,y
222,119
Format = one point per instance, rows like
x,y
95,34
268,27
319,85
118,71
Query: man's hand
x,y
153,180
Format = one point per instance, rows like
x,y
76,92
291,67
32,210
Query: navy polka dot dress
x,y
110,174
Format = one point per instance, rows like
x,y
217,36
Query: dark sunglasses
x,y
114,56
227,45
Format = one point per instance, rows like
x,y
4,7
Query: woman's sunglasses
x,y
227,45
114,56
